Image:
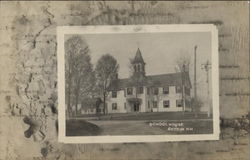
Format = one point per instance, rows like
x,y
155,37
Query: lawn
x,y
146,116
140,124
81,127
187,126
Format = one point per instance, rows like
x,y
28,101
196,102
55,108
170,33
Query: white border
x,y
62,30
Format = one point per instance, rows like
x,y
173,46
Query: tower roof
x,y
138,57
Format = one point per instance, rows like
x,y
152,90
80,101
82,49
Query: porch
x,y
134,104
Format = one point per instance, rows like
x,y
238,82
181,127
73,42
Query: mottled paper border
x,y
115,29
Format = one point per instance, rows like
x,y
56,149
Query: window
x,y
166,104
165,90
114,106
129,91
148,91
99,110
156,91
139,90
114,94
179,103
187,91
155,104
124,92
91,110
187,103
178,89
136,68
148,104
125,105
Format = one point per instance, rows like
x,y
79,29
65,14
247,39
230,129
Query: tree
x,y
182,66
78,71
83,78
106,71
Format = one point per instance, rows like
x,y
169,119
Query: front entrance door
x,y
136,107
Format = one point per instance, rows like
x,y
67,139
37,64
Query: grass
x,y
139,124
147,116
81,128
197,126
94,128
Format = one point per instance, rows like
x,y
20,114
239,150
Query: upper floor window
x,y
114,94
155,104
129,91
125,105
148,104
139,90
178,89
178,103
156,91
165,90
114,106
166,104
187,91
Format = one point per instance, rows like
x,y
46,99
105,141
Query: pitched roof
x,y
172,79
138,57
119,84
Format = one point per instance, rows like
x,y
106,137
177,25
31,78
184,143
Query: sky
x,y
160,52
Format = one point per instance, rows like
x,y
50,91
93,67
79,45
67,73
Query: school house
x,y
149,93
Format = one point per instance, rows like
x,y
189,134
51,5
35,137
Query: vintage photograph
x,y
145,83
124,80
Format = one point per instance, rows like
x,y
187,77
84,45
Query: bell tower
x,y
138,64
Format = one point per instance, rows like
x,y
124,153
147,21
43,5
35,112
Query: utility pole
x,y
206,67
195,87
182,87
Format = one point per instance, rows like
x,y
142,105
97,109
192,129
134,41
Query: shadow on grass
x,y
81,128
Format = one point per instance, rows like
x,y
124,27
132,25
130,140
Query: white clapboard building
x,y
143,93
149,93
